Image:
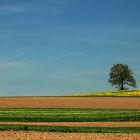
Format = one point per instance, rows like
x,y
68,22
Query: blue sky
x,y
58,47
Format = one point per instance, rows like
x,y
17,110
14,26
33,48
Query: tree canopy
x,y
121,77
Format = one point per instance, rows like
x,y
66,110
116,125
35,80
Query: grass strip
x,y
68,115
68,129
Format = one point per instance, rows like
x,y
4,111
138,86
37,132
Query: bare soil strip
x,y
71,102
23,135
84,124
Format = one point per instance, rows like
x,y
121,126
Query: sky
x,y
60,47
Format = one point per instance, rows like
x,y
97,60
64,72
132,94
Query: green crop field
x,y
67,115
71,129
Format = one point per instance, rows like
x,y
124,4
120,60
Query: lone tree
x,y
120,76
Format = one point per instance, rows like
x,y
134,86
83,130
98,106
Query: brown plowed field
x,y
22,135
71,102
88,124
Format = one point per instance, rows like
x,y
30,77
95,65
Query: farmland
x,y
26,135
124,93
67,115
71,102
70,118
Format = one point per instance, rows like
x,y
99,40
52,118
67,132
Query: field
x,y
25,135
124,93
70,118
68,115
71,102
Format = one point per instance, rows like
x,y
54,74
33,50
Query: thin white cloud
x,y
51,9
75,54
11,8
67,55
10,64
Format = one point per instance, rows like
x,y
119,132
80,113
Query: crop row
x,y
67,115
71,129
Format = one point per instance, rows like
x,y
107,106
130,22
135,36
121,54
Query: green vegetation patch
x,y
67,115
71,129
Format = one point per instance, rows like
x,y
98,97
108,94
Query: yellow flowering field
x,y
125,93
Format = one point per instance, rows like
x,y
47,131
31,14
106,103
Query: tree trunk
x,y
122,84
122,88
